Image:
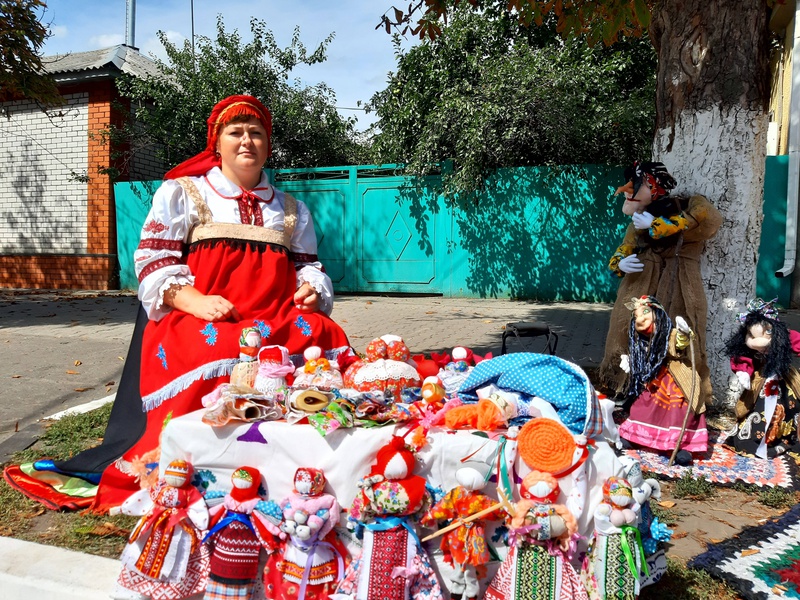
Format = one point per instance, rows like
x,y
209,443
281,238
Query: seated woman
x,y
221,250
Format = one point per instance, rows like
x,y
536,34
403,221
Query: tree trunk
x,y
712,98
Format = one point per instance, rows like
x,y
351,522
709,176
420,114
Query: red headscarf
x,y
224,111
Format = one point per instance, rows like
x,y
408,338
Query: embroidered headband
x,y
765,309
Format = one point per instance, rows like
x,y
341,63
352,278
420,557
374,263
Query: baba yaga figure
x,y
662,383
309,562
615,562
392,564
464,546
660,256
240,527
542,537
164,557
764,387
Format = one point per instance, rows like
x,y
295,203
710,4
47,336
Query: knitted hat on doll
x,y
246,481
546,445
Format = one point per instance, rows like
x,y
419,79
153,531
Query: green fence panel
x,y
773,233
132,201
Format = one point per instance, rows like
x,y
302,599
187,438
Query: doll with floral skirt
x,y
392,564
615,563
662,383
465,546
164,556
310,559
241,526
542,535
764,388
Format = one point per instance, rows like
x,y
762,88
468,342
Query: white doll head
x,y
472,475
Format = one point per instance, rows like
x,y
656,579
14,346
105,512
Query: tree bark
x,y
711,124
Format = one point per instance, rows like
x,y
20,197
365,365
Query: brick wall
x,y
57,230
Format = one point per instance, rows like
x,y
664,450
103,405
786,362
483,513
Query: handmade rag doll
x,y
615,562
245,371
542,536
660,381
465,547
164,557
273,368
764,388
240,527
309,561
318,372
660,256
392,564
388,368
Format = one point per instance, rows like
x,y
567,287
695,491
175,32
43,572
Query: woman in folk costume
x,y
542,536
660,256
662,384
221,250
765,387
164,557
310,561
392,564
615,563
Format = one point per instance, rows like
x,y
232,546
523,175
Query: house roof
x,y
105,63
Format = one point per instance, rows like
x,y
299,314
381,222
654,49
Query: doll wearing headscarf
x,y
240,528
764,388
615,562
660,256
392,564
542,536
465,546
660,381
310,560
164,556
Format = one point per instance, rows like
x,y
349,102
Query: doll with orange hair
x,y
615,562
542,536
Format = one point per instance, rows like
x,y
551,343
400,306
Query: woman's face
x,y
243,148
644,321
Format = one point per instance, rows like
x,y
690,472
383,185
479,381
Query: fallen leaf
x,y
78,363
666,503
16,427
16,376
751,551
73,373
715,540
39,511
430,312
110,383
488,321
86,389
120,358
679,535
105,529
108,389
6,531
368,302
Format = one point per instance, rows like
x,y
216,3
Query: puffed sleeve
x,y
158,259
309,269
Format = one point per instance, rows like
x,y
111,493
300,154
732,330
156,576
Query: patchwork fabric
x,y
762,563
723,466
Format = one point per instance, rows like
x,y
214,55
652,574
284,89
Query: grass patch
x,y
683,583
776,497
25,519
693,488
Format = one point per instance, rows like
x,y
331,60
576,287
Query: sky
x,y
359,57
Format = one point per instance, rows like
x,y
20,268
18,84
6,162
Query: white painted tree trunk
x,y
721,153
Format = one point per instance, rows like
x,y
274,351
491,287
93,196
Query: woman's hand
x,y
306,299
207,308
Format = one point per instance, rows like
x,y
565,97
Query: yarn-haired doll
x,y
662,383
765,387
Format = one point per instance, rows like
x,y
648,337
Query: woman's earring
x,y
217,154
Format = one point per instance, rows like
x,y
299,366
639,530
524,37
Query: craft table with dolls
x,y
541,394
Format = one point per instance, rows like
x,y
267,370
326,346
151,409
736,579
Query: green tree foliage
x,y
22,36
169,111
490,93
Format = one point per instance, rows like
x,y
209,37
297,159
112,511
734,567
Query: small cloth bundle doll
x,y
615,562
764,388
542,536
310,556
662,383
455,372
465,547
245,371
318,372
273,368
388,368
392,565
164,556
240,527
